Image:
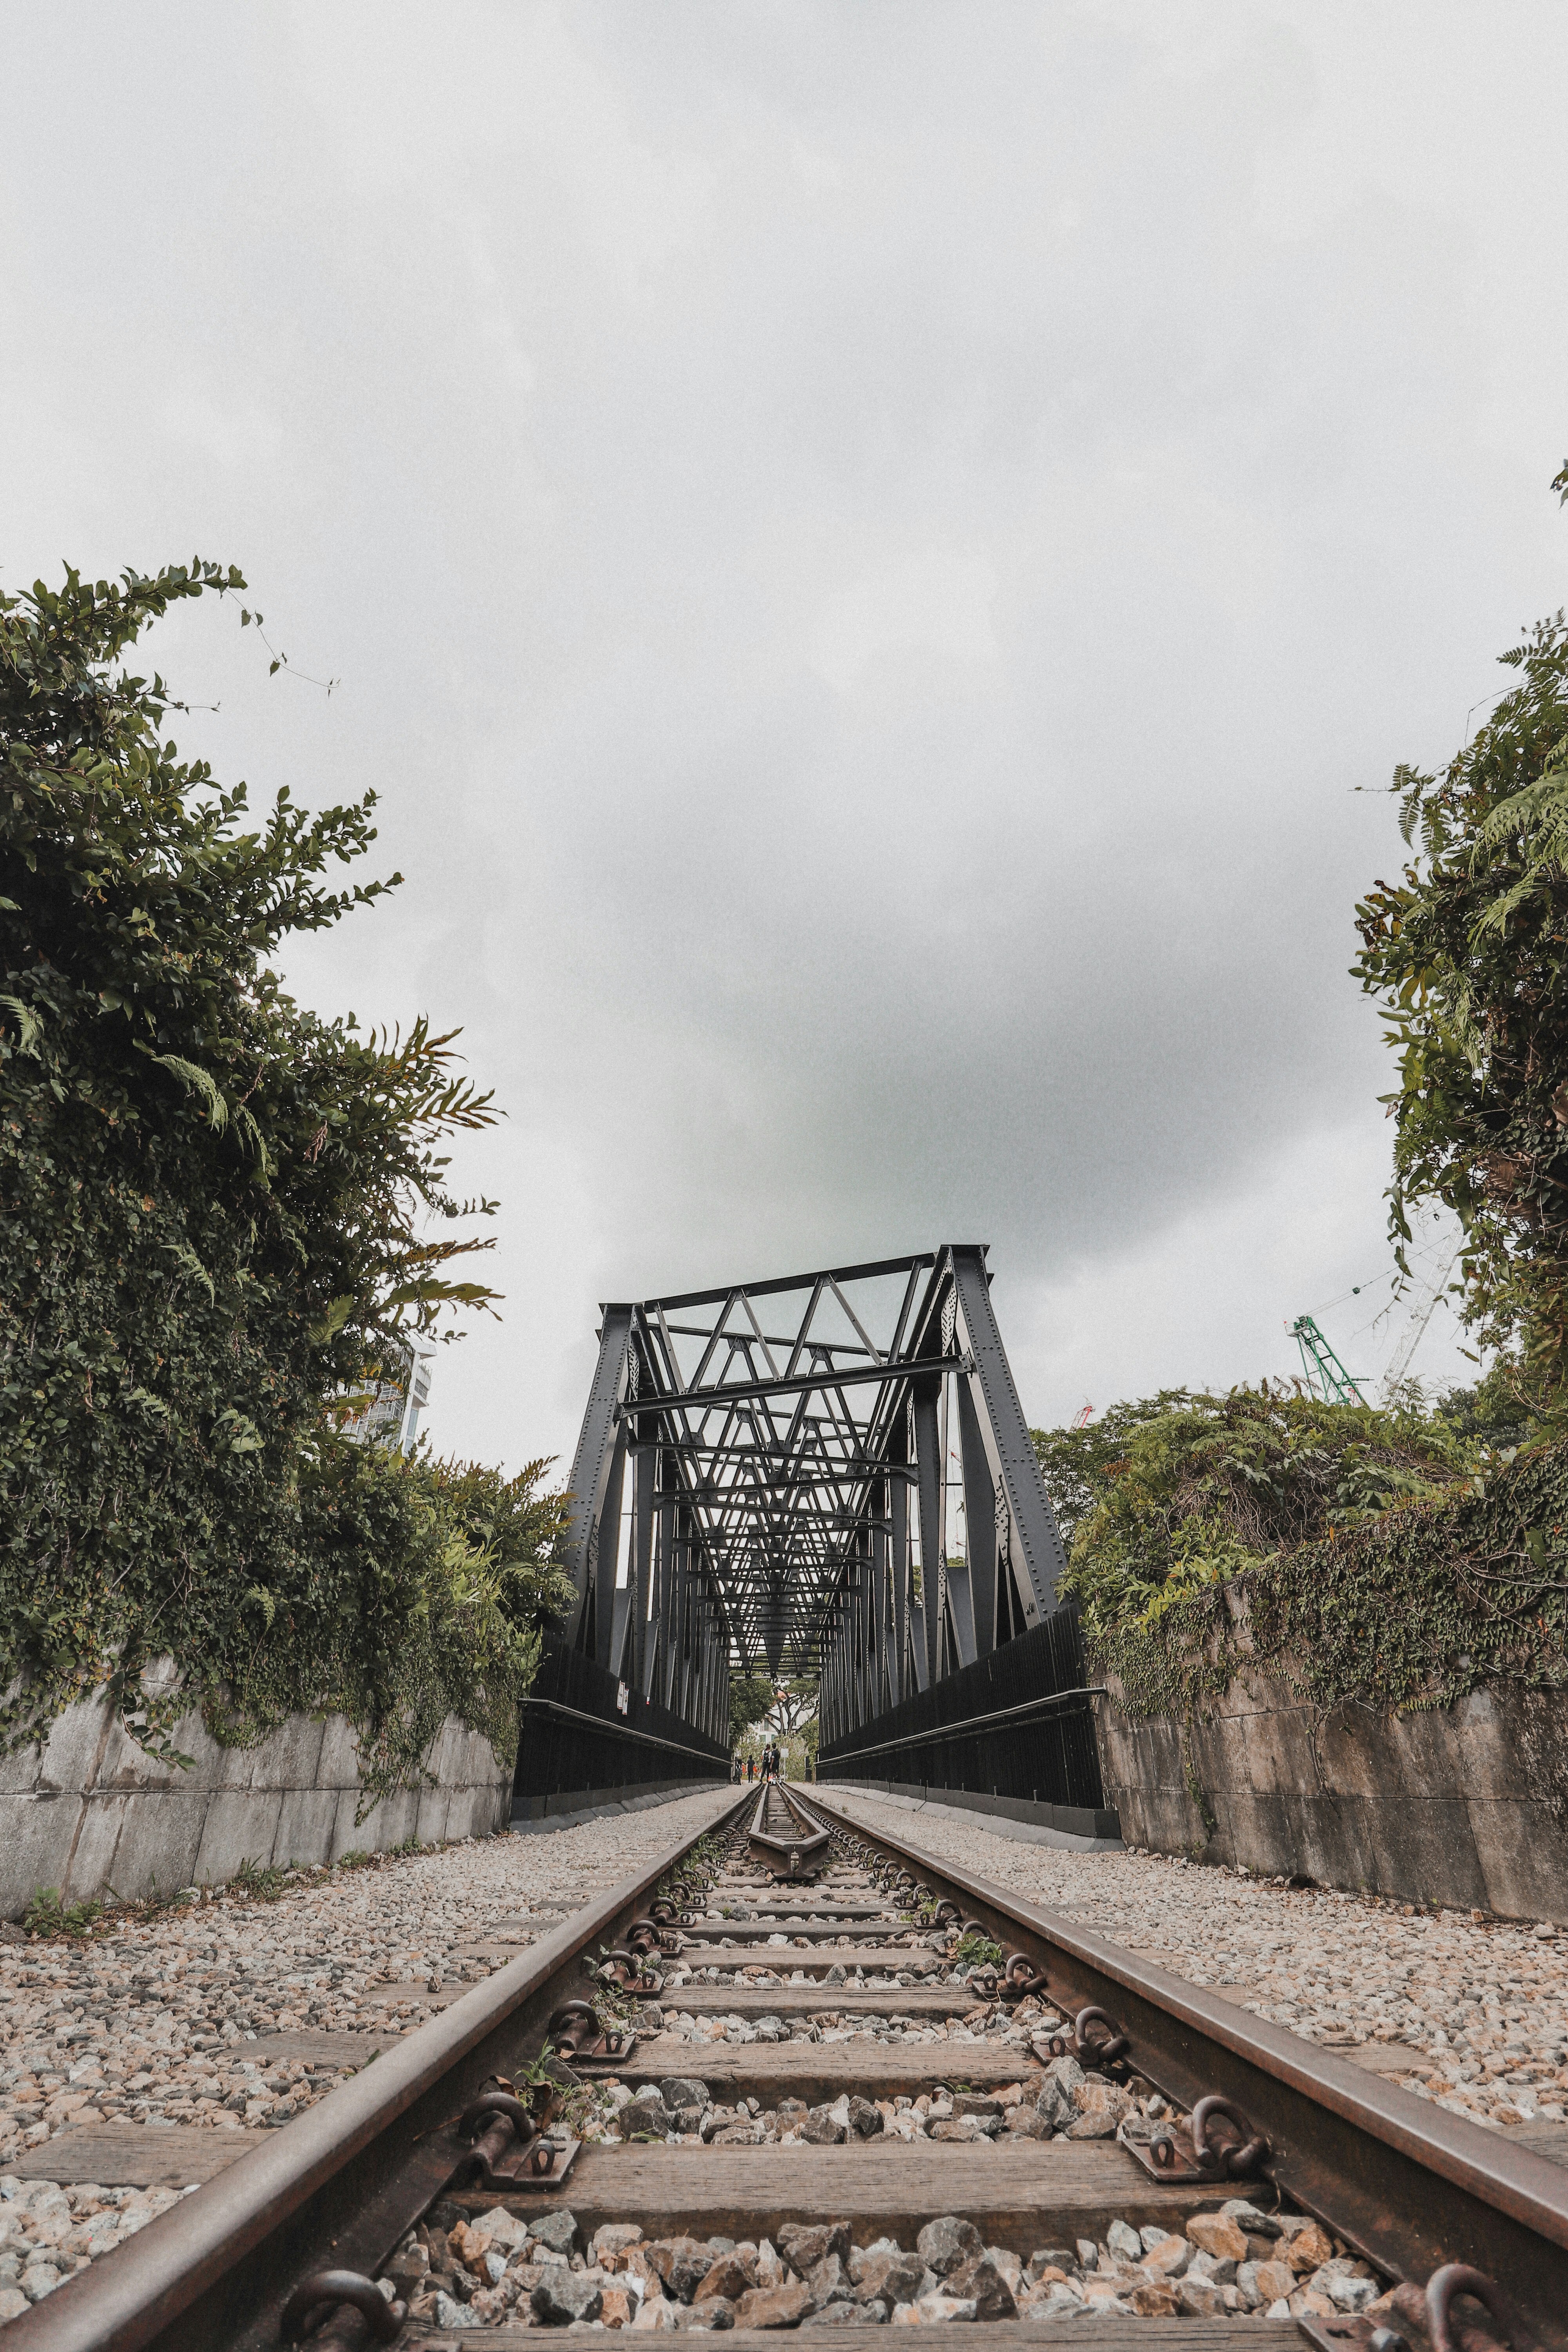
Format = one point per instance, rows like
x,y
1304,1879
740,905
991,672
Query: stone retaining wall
x,y
90,1810
1466,1806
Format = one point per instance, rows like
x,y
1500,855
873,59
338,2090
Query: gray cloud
x,y
869,548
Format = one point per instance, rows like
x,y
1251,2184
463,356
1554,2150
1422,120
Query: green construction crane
x,y
1326,1376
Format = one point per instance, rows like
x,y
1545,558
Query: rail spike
x,y
340,2294
1021,1976
1096,2041
1443,2290
1194,2149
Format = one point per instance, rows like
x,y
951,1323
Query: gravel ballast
x,y
1469,2011
492,2271
154,2020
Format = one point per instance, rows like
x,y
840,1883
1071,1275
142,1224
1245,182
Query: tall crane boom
x,y
1325,1375
1421,1314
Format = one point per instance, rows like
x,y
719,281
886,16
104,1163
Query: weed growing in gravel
x,y
45,1916
262,1881
980,1951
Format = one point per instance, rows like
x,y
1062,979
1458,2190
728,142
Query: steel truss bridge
x,y
826,1474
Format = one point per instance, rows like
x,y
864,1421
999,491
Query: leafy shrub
x,y
211,1204
1465,953
1161,1498
1411,1610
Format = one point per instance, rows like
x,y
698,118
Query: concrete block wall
x,y
88,1810
1466,1806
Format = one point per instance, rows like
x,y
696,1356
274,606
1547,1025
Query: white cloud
x,y
867,546
934,602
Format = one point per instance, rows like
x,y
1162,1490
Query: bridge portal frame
x,y
793,1499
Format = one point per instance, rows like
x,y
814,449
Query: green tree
x,y
1468,952
211,1204
751,1696
1077,1463
795,1703
518,1522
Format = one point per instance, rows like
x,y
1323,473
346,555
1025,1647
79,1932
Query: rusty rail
x,y
1411,2186
336,2188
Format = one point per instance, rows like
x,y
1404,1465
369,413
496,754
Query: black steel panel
x,y
939,1737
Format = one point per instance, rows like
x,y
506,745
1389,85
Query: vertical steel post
x,y
898,1519
928,1461
607,1547
639,1651
1038,1559
979,1521
591,1463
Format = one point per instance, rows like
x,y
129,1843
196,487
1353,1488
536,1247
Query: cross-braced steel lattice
x,y
829,1472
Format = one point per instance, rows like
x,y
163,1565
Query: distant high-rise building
x,y
400,1396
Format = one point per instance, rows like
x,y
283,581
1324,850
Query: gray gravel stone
x,y
945,2243
804,2245
557,2230
685,2091
564,2295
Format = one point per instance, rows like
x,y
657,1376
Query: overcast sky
x,y
879,556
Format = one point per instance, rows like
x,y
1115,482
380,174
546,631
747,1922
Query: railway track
x,y
888,2090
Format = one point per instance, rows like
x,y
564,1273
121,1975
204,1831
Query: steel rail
x,y
1411,2186
337,2188
945,1734
598,1724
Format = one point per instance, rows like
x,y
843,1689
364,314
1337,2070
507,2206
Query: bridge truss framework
x,y
829,1473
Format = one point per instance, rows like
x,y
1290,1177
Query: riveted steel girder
x,y
842,1484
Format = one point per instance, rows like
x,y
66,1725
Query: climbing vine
x,y
215,1222
1411,1610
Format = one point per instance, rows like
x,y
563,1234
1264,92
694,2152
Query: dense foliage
x,y
750,1698
1412,1609
210,1211
1468,953
519,1523
1174,1493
